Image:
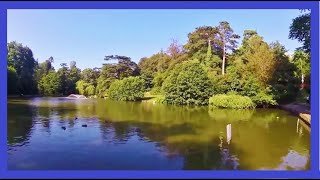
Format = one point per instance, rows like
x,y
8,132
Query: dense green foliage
x,y
212,63
50,84
284,82
85,88
44,68
300,30
160,100
12,80
187,84
90,76
21,59
262,99
127,89
231,101
115,71
103,86
69,76
302,62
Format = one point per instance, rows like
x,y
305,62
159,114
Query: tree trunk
x,y
302,81
223,59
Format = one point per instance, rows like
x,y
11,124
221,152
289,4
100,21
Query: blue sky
x,y
86,36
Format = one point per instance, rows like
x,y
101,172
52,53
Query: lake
x,y
99,134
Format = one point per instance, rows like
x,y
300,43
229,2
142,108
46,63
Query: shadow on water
x,y
19,123
176,137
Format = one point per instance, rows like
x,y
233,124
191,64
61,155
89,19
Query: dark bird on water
x,y
76,118
64,128
84,125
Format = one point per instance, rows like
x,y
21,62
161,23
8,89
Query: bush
x,y
127,89
159,99
218,83
80,86
86,89
103,86
155,91
90,90
231,101
263,99
148,81
285,93
159,79
187,84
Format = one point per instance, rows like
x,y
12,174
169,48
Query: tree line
x,y
212,67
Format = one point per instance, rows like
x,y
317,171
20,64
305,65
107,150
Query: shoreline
x,y
298,109
24,96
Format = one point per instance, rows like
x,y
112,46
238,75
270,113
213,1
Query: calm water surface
x,y
43,133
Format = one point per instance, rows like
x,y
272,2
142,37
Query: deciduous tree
x,y
21,59
300,30
225,40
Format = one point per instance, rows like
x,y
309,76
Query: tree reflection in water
x,y
177,137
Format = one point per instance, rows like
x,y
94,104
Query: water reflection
x,y
302,127
20,126
140,135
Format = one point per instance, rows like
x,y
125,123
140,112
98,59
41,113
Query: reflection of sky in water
x,y
293,160
146,136
229,160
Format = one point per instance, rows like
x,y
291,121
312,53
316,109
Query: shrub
x,y
148,81
285,93
80,86
103,86
159,100
155,91
127,89
263,99
187,84
90,90
218,84
159,78
231,101
157,82
84,88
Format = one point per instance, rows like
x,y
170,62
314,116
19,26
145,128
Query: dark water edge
x,y
48,134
